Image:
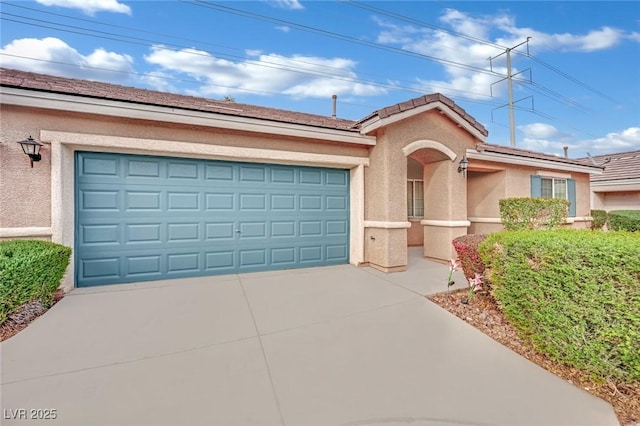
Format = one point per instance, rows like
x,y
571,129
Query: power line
x,y
239,12
147,42
395,87
478,40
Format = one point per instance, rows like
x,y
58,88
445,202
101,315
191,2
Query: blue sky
x,y
576,82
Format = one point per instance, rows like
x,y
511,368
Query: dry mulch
x,y
23,316
483,313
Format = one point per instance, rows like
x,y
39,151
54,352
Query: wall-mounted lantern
x,y
464,163
32,149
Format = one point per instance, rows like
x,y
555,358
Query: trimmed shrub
x,y
624,220
532,213
574,293
599,219
30,270
467,248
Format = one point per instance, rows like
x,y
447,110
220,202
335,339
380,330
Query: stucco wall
x,y
484,192
622,200
25,193
445,188
517,183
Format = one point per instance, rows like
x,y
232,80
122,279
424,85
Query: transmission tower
x,y
509,78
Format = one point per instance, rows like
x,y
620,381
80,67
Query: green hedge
x,y
574,293
532,213
624,220
30,270
599,219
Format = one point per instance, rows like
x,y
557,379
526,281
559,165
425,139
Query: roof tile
x,y
100,90
501,149
623,165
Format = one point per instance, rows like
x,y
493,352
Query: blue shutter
x,y
571,193
536,186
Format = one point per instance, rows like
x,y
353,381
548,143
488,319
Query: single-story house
x,y
618,187
145,185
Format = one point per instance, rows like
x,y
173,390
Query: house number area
x,y
29,413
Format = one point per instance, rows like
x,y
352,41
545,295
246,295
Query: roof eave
x,y
74,103
374,122
473,154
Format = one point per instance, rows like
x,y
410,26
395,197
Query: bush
x,y
624,220
574,293
30,270
532,213
599,219
467,248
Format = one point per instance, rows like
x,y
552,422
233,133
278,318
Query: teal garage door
x,y
141,218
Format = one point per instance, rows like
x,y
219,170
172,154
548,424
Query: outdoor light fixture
x,y
462,168
32,149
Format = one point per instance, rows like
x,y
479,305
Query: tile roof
x,y
425,100
501,149
623,165
100,90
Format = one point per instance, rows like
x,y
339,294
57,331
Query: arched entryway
x,y
436,198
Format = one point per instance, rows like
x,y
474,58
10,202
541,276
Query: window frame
x,y
412,214
553,186
571,188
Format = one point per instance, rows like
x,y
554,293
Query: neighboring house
x,y
618,187
146,185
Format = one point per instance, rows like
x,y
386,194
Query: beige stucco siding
x,y
445,189
622,200
26,192
489,182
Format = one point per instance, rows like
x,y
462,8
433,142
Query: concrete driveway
x,y
321,346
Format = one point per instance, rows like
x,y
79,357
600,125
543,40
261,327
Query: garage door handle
x,y
238,231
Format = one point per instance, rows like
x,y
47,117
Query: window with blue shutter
x,y
549,187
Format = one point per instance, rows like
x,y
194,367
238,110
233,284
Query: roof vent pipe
x,y
335,98
566,151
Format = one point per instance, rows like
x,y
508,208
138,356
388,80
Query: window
x,y
415,198
549,187
554,188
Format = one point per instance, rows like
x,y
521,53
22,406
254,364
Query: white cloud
x,y
600,39
543,137
51,55
469,50
286,4
297,75
283,28
90,7
626,140
546,138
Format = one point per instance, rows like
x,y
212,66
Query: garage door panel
x,y
103,166
100,234
253,173
143,200
220,201
219,231
143,168
281,176
143,233
148,266
142,217
182,170
182,263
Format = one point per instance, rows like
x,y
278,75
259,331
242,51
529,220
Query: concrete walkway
x,y
321,346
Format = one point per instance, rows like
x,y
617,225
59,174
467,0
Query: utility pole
x,y
509,78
